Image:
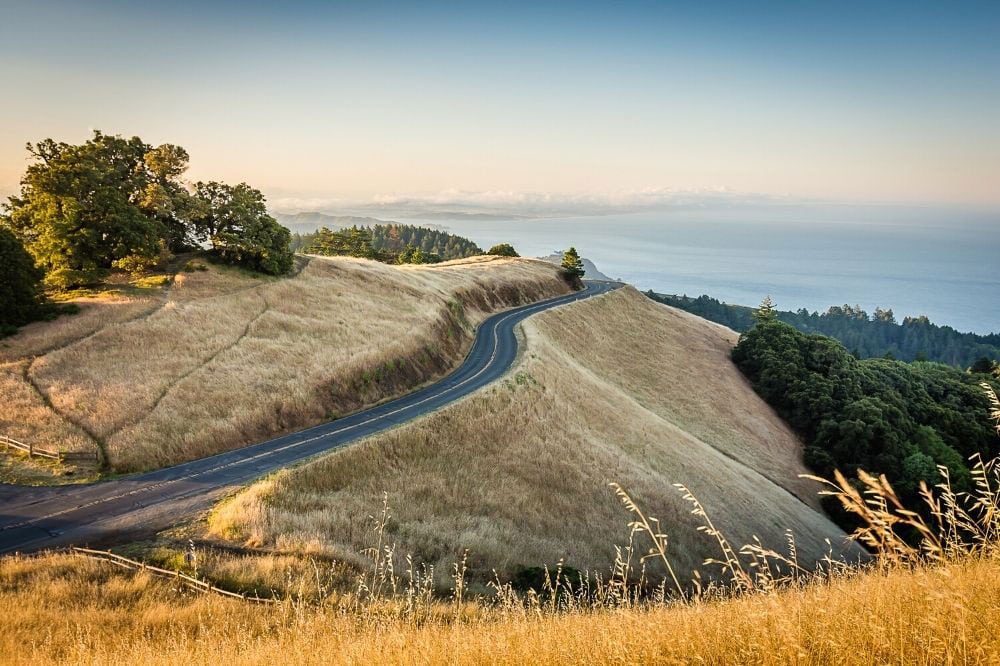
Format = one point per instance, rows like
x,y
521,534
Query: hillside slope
x,y
615,389
225,358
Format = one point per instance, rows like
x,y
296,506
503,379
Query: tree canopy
x,y
866,336
83,207
350,242
572,265
765,311
391,243
21,299
884,416
503,250
233,219
434,244
113,202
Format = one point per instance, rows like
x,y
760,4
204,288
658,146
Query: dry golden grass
x,y
95,314
612,389
936,601
230,358
60,609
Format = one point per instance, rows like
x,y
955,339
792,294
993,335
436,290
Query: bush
x,y
538,579
21,299
503,250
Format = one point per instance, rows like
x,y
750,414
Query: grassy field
x,y
614,389
220,358
61,609
932,602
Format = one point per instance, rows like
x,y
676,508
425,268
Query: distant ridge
x,y
310,221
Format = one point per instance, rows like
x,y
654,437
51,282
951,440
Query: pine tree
x,y
572,265
766,311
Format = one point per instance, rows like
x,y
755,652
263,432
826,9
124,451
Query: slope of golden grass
x,y
614,389
60,609
228,358
95,313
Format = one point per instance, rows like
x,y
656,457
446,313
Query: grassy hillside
x,y
220,358
615,389
584,401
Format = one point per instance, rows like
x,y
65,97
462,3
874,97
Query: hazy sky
x,y
866,101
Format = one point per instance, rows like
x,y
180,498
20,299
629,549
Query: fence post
x,y
31,449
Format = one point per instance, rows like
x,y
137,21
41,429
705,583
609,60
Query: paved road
x,y
110,511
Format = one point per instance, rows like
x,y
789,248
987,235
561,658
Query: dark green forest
x,y
392,243
866,336
21,299
881,415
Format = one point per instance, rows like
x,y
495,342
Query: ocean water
x,y
934,262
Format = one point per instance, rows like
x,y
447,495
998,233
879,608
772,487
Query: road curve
x,y
105,512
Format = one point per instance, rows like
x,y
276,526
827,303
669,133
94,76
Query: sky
x,y
322,102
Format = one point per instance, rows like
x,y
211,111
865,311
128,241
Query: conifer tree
x,y
572,265
766,311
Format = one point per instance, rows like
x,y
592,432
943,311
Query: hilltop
x,y
614,389
218,357
310,221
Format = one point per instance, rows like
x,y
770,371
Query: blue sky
x,y
327,102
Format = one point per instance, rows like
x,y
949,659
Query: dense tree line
x,y
391,243
881,415
116,203
866,336
394,238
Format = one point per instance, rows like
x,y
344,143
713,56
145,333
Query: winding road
x,y
34,518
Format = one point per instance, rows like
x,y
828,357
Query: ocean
x,y
933,262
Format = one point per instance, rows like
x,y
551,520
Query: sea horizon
x,y
915,263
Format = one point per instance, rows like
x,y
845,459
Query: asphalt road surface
x,y
112,511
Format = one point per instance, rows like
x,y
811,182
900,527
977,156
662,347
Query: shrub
x,y
503,250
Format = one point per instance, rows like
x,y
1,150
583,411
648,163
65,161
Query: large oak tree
x,y
233,220
113,202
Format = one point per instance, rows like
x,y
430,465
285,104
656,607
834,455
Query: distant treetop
x,y
572,265
503,250
914,339
391,243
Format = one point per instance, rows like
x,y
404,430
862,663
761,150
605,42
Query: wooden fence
x,y
32,450
183,579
